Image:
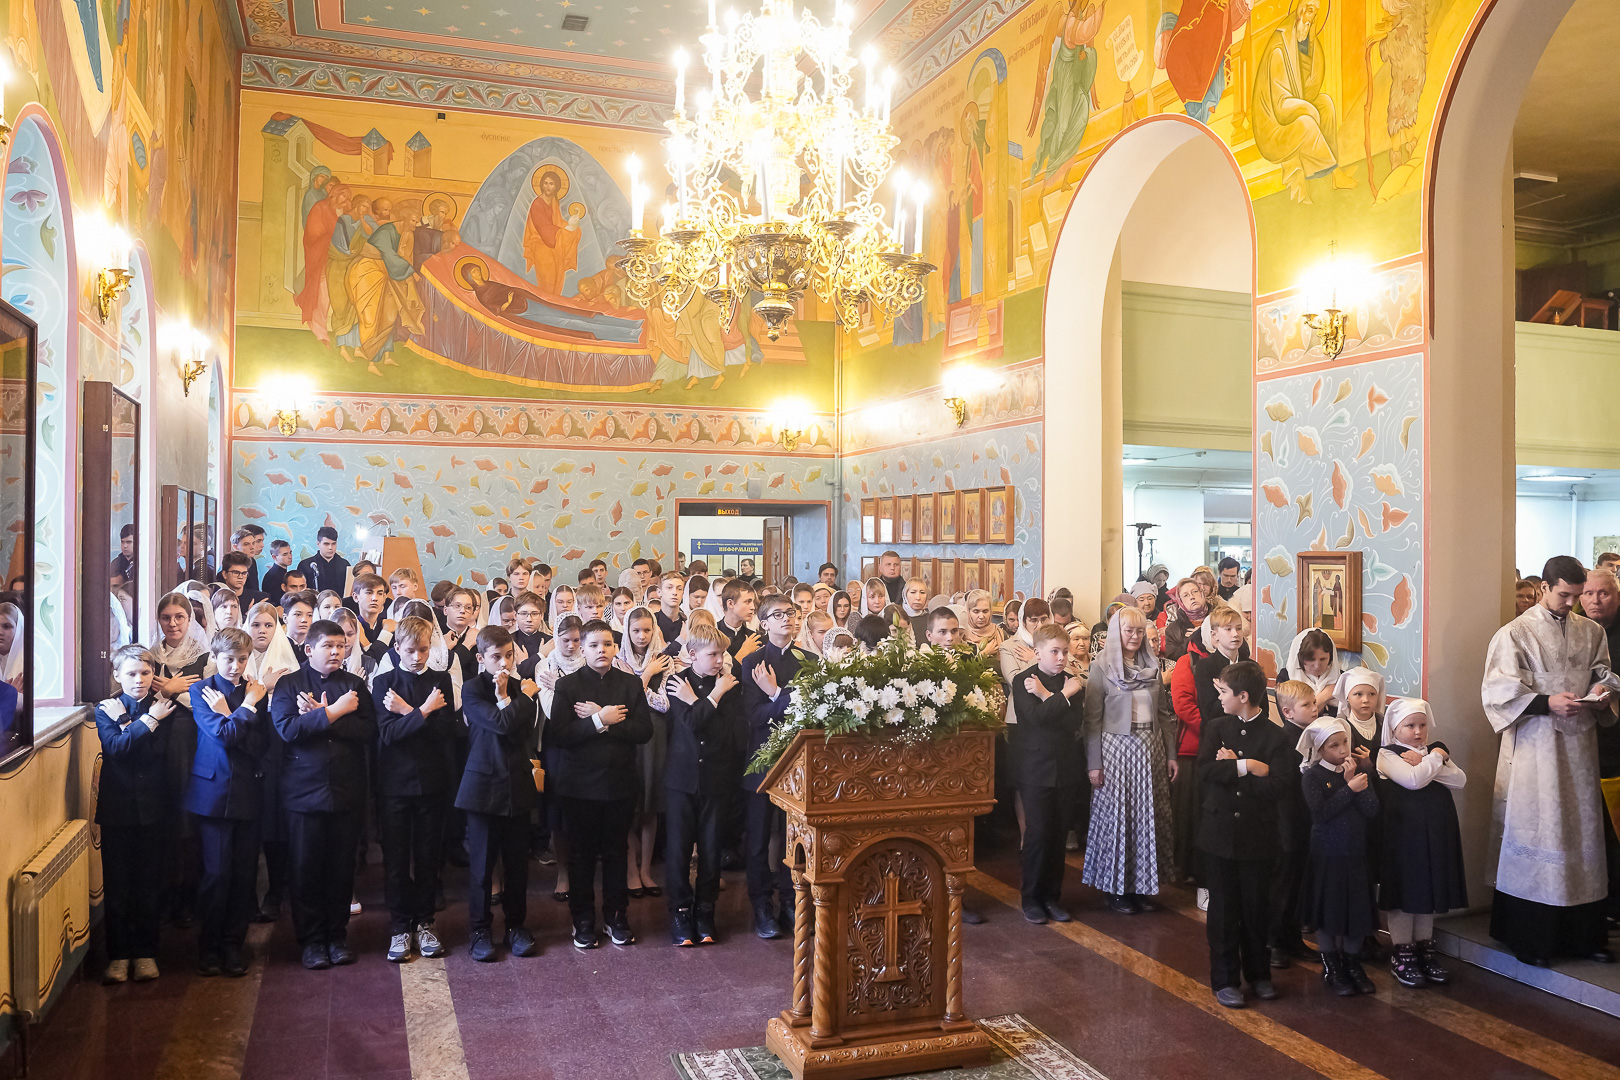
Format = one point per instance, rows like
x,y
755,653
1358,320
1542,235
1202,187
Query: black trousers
x,y
493,838
1184,795
1533,929
455,819
1046,825
597,829
227,892
320,854
691,820
764,835
411,830
133,870
276,872
1239,912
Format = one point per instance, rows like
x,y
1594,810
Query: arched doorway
x,y
1165,204
41,280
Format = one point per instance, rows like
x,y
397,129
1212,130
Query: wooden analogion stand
x,y
879,839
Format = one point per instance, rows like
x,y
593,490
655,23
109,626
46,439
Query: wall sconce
x,y
1328,291
959,382
286,405
791,420
105,247
190,346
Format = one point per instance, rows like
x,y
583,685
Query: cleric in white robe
x,y
1550,875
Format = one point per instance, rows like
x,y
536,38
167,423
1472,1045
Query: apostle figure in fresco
x,y
380,279
320,216
551,239
519,304
1064,90
1295,124
437,232
354,223
1192,46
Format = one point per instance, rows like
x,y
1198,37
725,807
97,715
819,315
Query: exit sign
x,y
728,511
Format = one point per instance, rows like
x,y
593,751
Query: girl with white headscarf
x,y
560,605
565,656
1421,872
1336,895
272,655
503,613
643,656
1130,754
12,653
836,644
841,600
1359,696
1314,661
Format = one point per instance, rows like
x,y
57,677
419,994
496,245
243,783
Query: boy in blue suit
x,y
325,716
224,791
132,807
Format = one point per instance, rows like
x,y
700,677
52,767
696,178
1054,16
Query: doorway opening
x,y
756,538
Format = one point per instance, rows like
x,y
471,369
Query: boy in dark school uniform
x,y
326,569
325,716
274,582
497,792
371,605
132,808
700,768
1242,765
225,791
599,715
1046,766
416,721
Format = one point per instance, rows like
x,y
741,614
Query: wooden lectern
x,y
879,838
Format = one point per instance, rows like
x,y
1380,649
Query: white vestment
x,y
1547,810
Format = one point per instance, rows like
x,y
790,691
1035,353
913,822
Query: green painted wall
x,y
1186,359
1560,419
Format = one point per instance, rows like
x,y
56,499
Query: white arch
x,y
1081,336
137,346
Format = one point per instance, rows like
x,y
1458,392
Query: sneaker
x,y
521,942
1231,997
354,907
117,972
704,925
483,947
235,962
428,944
340,953
681,931
208,965
315,958
399,948
145,969
1203,899
765,922
585,936
548,858
618,928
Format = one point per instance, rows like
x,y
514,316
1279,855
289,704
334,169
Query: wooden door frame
x,y
800,504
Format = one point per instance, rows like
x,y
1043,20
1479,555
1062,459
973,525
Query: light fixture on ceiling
x,y
1557,478
782,193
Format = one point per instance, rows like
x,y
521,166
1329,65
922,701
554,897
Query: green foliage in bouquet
x,y
896,693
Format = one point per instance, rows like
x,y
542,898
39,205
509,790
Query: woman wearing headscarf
x,y
979,629
1011,613
1147,599
1130,743
560,604
836,644
841,608
1314,661
271,658
1188,608
11,645
643,656
874,598
1158,575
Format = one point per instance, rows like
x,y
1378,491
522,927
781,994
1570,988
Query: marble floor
x,y
1126,993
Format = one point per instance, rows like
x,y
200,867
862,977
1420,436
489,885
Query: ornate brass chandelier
x,y
779,194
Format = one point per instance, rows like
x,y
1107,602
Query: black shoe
x,y
185,918
1432,971
680,928
1298,950
1404,966
1035,913
1231,997
1264,990
765,923
618,928
315,958
1056,913
585,936
483,947
703,920
1533,961
269,910
521,942
1358,975
731,859
784,918
546,857
340,953
971,917
1279,958
1599,956
235,963
1142,903
1335,975
208,965
1122,905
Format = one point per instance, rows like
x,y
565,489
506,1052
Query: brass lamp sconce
x,y
190,371
287,405
190,347
105,248
792,421
1329,291
959,382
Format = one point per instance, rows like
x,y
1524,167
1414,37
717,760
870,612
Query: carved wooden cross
x,y
890,911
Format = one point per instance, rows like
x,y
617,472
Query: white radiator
x,y
50,917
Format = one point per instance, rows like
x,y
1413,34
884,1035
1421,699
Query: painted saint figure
x,y
521,305
1192,46
1065,92
382,286
551,240
1295,124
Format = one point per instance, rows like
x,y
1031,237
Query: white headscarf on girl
x,y
1296,668
438,651
497,611
836,638
713,603
279,655
1399,709
184,652
11,665
552,614
1358,676
198,593
1313,738
832,602
626,659
559,664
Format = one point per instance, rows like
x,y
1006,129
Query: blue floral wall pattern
x,y
1339,467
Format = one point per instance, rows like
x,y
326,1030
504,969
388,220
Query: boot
x,y
1358,975
1432,971
1403,965
1333,974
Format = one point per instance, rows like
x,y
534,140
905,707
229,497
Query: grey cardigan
x,y
1109,709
